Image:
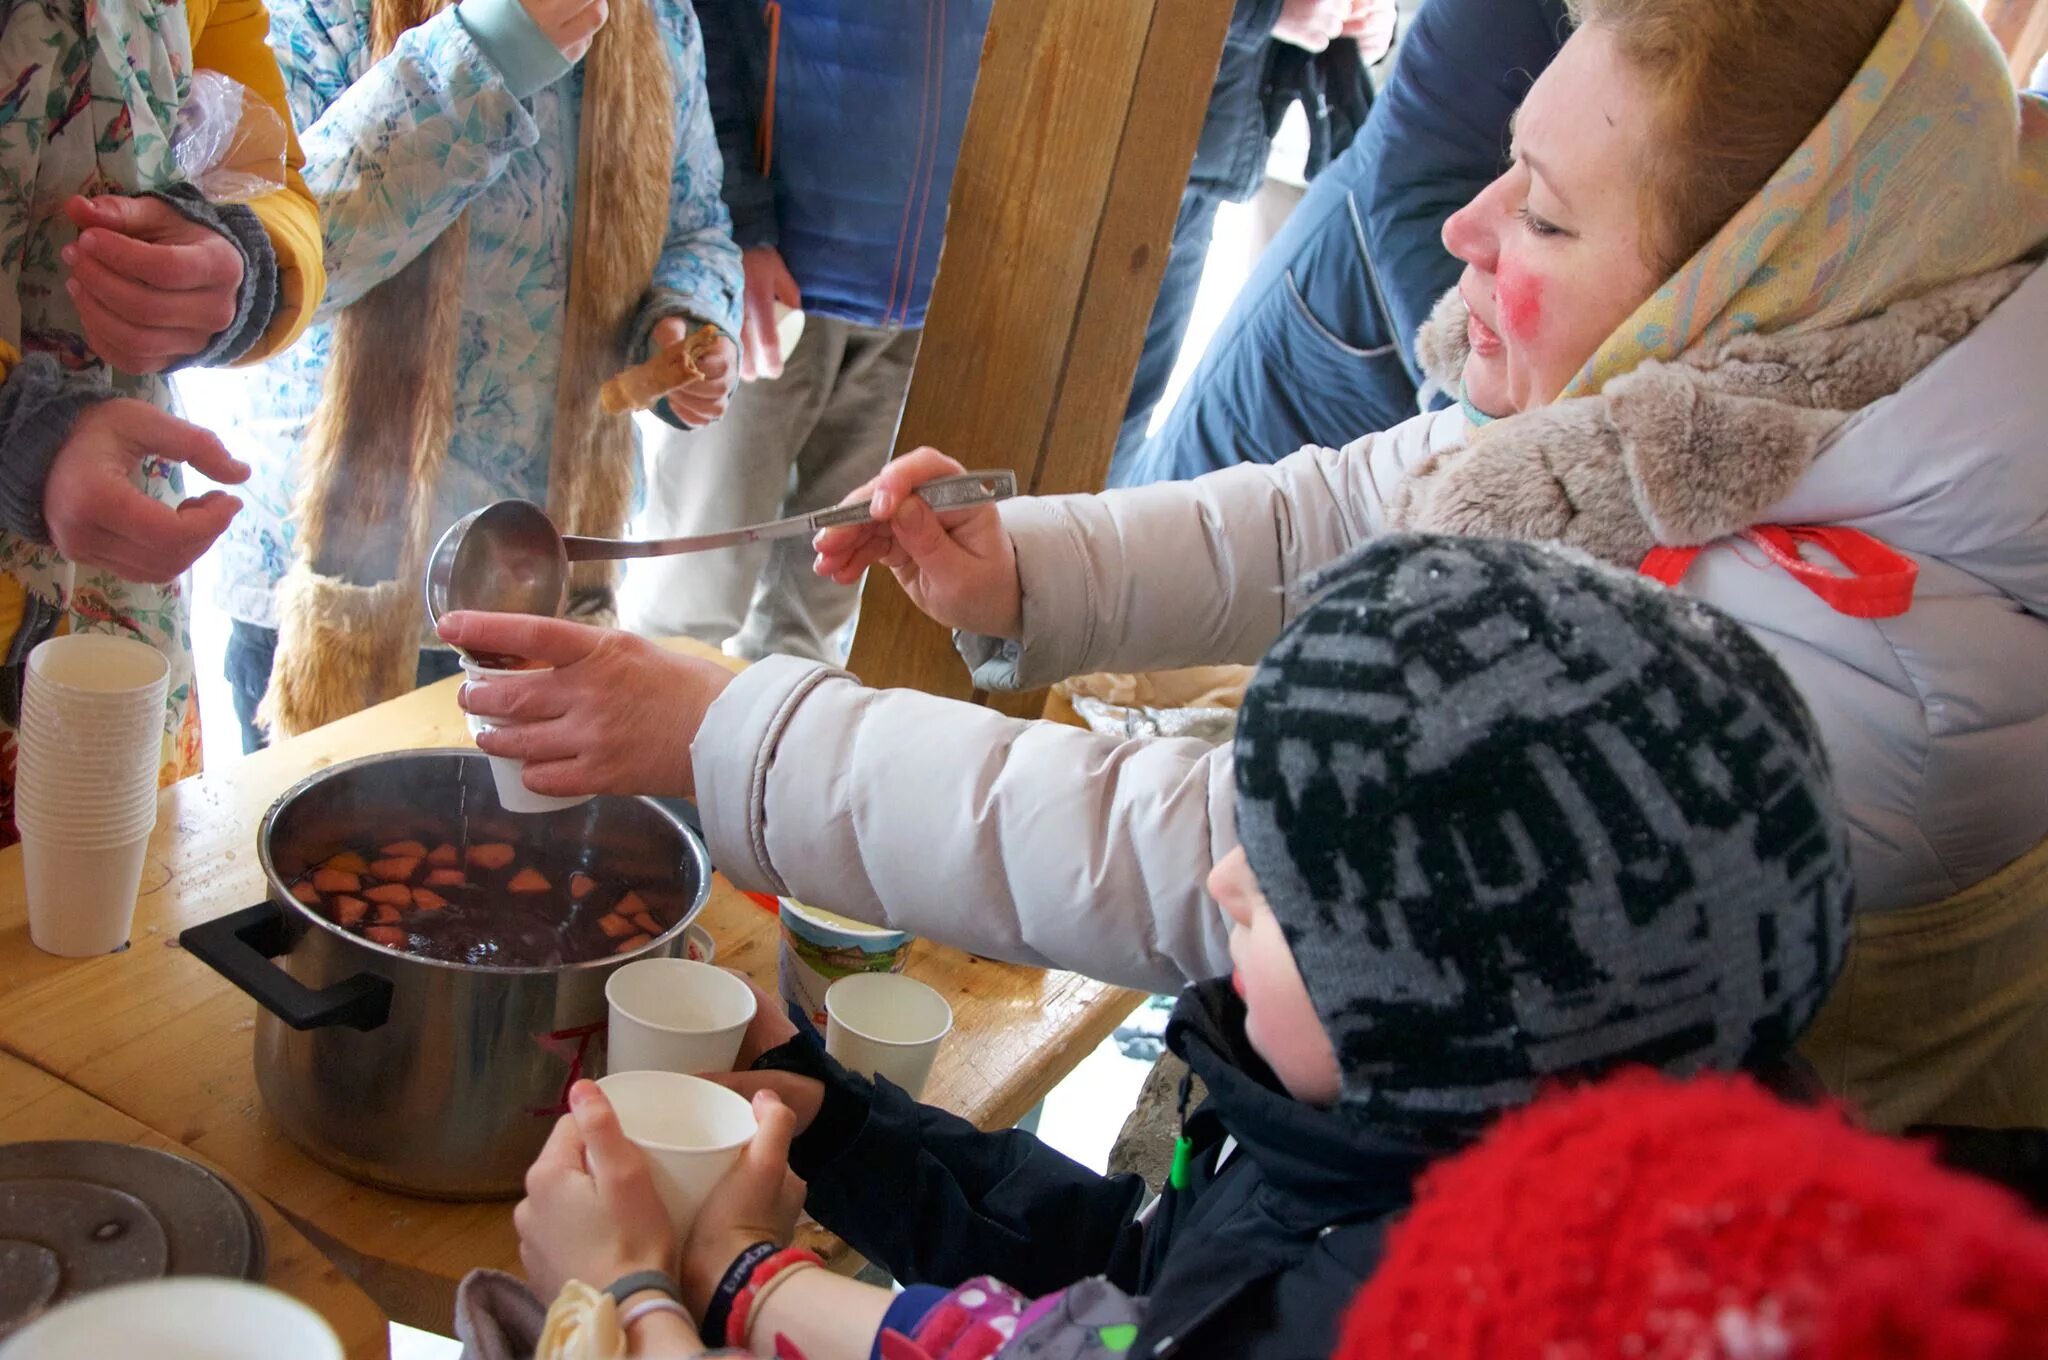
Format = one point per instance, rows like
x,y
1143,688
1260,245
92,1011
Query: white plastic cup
x,y
510,775
886,1025
79,834
81,899
692,1131
672,1015
100,666
191,1318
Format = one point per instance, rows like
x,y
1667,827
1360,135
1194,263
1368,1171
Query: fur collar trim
x,y
1677,454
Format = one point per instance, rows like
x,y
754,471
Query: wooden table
x,y
35,1106
163,1039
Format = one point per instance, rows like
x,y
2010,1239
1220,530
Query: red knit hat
x,y
1650,1219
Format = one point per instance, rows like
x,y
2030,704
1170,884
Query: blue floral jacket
x,y
395,153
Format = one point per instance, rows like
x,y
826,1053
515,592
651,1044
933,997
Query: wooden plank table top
x,y
35,1106
162,1038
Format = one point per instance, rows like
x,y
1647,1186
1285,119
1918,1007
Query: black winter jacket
x,y
1253,1261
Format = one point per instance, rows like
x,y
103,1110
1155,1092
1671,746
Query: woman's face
x,y
1553,249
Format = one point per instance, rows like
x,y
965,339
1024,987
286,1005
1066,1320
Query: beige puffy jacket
x,y
1042,843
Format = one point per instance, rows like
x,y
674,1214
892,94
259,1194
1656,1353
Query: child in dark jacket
x,y
1507,818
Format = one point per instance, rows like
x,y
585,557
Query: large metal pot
x,y
433,1078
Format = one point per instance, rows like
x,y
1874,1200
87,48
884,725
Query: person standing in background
x,y
113,271
1319,345
520,199
847,228
1277,53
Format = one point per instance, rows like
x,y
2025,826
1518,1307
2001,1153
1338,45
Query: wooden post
x,y
2021,27
1076,151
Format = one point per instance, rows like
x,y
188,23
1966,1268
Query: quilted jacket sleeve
x,y
1035,843
1195,573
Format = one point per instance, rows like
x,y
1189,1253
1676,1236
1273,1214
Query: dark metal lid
x,y
79,1216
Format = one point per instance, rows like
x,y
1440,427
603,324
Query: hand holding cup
x,y
590,1212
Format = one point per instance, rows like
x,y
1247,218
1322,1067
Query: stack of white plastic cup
x,y
510,775
88,752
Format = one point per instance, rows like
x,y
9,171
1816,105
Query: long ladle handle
x,y
945,493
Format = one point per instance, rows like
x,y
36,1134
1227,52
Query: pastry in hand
x,y
643,385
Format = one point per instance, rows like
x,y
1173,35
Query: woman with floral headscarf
x,y
1755,309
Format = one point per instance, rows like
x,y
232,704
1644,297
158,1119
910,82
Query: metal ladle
x,y
508,557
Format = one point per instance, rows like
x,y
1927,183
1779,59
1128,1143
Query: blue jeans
x,y
253,650
1171,310
1306,355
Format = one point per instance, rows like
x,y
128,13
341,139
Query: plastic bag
x,y
228,144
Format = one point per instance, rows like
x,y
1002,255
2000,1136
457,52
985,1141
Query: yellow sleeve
x,y
234,39
9,357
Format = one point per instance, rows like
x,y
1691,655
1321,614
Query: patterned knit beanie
x,y
1701,1220
1521,817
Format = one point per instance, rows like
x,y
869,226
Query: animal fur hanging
x,y
1676,454
350,611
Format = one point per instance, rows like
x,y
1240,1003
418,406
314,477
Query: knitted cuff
x,y
256,305
40,403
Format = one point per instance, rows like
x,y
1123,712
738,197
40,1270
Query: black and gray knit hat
x,y
1524,817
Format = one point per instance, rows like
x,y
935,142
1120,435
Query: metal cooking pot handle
x,y
240,947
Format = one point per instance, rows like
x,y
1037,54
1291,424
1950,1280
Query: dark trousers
x,y
1306,355
253,650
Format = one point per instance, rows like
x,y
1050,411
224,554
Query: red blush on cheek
x,y
1520,298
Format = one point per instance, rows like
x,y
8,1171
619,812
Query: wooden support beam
x,y
1076,151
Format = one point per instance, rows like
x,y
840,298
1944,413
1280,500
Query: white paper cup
x,y
672,1015
886,1025
195,1318
692,1131
510,775
81,899
698,946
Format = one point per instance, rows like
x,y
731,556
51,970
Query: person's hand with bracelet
x,y
591,1214
747,1286
754,1207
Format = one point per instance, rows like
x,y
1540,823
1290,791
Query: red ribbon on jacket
x,y
1878,584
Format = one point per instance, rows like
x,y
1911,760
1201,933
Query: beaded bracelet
x,y
789,1258
716,1327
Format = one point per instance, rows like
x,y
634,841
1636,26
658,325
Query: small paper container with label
x,y
81,900
194,1318
692,1131
672,1015
819,948
510,775
886,1025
